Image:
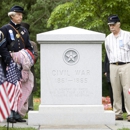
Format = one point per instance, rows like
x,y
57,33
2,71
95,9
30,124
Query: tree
x,y
91,15
45,15
37,12
38,15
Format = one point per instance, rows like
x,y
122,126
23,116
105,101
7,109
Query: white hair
x,y
118,23
11,13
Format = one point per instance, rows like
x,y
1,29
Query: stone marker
x,y
71,79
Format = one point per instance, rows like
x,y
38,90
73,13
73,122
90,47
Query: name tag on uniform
x,y
11,35
121,43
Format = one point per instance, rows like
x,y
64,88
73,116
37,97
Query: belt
x,y
120,63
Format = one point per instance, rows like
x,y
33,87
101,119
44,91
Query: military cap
x,y
17,9
113,19
26,25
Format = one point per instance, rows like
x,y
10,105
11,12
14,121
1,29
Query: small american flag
x,y
4,101
13,85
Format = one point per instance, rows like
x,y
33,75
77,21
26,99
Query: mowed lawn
x,y
36,106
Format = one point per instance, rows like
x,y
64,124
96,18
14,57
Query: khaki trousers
x,y
120,80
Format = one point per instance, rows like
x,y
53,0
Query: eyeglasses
x,y
112,24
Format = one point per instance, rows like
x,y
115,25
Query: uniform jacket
x,y
13,42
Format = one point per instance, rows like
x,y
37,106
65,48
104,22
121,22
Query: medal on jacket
x,y
11,35
22,32
17,35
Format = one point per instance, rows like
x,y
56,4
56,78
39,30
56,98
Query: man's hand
x,y
7,67
105,73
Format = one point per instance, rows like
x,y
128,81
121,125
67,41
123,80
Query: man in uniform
x,y
16,38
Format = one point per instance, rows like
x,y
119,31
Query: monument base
x,y
71,115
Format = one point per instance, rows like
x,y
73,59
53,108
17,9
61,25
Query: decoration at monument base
x,y
107,103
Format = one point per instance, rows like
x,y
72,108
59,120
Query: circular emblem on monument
x,y
71,56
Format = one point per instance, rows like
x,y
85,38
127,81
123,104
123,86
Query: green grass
x,y
124,129
36,106
125,118
10,128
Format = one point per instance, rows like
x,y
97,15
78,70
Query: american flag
x,y
4,101
13,85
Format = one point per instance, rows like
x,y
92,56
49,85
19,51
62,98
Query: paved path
x,y
118,125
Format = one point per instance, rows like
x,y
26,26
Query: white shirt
x,y
118,48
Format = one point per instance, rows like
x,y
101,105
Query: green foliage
x,y
37,72
124,129
89,14
37,12
45,15
60,16
38,15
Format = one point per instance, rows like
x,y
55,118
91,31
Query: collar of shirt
x,y
119,34
17,26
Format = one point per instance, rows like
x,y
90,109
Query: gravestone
x,y
71,79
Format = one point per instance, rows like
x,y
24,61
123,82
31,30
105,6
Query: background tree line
x,y
46,15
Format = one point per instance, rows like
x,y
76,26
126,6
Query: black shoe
x,y
119,118
30,109
124,110
11,120
20,120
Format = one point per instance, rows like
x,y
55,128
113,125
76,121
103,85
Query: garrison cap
x,y
17,9
113,19
26,25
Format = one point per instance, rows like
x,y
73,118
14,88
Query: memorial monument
x,y
71,79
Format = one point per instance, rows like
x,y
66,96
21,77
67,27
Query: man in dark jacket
x,y
16,38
